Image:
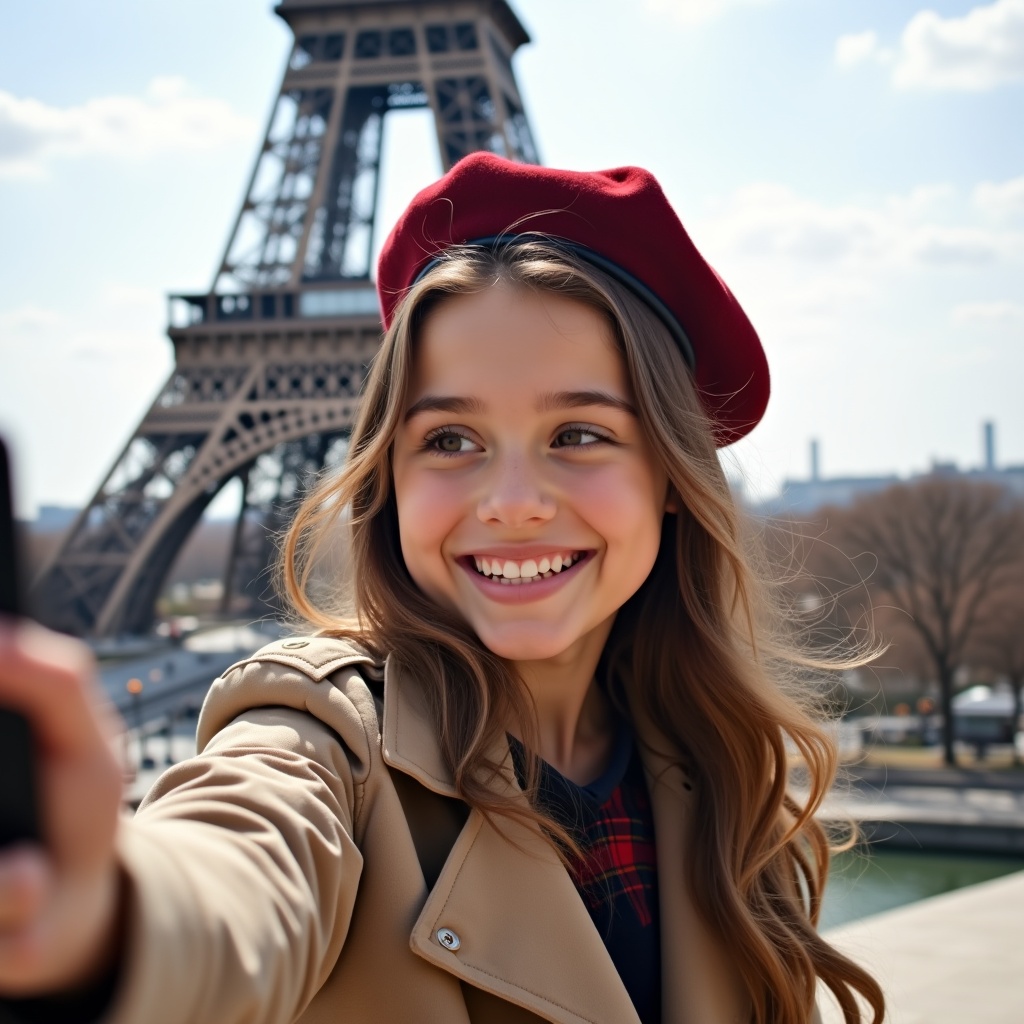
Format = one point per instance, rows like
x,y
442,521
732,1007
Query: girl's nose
x,y
515,495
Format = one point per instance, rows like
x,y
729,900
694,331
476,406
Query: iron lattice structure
x,y
269,363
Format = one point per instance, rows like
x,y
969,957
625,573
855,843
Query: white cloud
x,y
869,306
26,321
988,314
75,383
943,246
768,220
121,320
1001,200
921,201
808,271
979,51
860,48
693,12
772,220
973,53
168,118
127,296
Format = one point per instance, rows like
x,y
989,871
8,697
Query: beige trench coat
x,y
273,877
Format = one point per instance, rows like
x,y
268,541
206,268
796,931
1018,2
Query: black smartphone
x,y
10,577
19,817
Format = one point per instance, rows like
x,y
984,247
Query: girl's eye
x,y
577,437
449,442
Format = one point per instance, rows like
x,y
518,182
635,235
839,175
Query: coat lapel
x,y
523,932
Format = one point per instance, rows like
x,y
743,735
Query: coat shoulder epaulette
x,y
316,656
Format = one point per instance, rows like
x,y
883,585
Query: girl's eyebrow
x,y
576,399
443,403
548,402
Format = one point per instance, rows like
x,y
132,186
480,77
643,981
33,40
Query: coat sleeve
x,y
242,864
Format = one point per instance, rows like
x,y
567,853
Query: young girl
x,y
542,775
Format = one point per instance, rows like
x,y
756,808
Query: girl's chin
x,y
526,648
524,645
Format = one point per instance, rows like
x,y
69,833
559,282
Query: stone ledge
x,y
952,959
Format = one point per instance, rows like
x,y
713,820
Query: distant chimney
x,y
990,446
815,468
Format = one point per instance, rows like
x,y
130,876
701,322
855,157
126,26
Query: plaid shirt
x,y
618,877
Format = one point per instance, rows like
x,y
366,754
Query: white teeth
x,y
527,571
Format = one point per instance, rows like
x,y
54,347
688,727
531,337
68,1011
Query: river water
x,y
867,883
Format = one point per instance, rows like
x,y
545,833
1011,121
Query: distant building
x,y
801,497
805,496
53,518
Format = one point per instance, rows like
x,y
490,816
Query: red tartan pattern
x,y
619,855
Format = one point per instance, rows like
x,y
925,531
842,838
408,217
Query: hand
x,y
59,902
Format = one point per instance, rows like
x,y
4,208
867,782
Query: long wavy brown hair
x,y
702,648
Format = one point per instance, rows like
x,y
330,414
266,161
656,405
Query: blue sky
x,y
854,169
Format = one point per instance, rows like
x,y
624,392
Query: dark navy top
x,y
617,879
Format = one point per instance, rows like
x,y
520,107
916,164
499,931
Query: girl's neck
x,y
575,724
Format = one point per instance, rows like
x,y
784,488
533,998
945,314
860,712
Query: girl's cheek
x,y
429,506
622,500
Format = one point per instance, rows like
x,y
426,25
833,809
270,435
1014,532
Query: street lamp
x,y
134,687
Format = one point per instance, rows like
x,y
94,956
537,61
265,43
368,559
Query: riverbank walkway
x,y
948,809
952,959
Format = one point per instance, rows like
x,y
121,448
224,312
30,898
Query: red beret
x,y
618,220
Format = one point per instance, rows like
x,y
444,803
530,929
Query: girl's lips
x,y
521,593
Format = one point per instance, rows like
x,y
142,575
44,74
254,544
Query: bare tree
x,y
999,644
944,550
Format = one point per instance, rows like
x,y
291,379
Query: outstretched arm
x,y
227,899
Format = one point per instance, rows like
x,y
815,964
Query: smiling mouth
x,y
512,572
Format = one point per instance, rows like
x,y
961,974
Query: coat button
x,y
448,938
293,644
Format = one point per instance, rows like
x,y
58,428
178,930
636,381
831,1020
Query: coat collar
x,y
501,880
408,739
499,888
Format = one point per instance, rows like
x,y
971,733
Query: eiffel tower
x,y
269,363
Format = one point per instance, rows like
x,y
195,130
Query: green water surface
x,y
867,883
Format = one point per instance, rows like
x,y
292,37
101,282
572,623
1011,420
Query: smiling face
x,y
529,500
